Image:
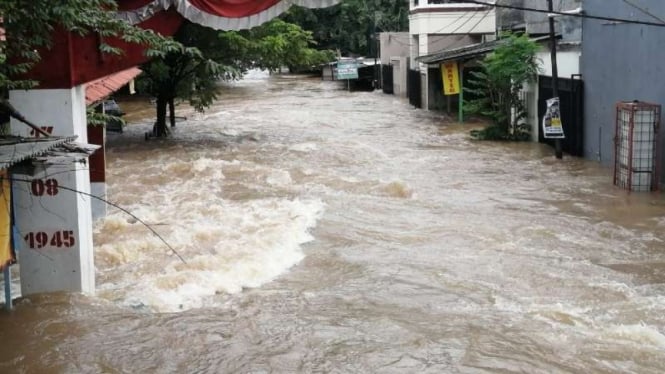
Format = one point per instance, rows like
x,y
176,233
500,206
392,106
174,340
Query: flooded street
x,y
335,232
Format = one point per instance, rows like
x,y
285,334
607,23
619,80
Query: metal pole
x,y
461,91
8,288
555,72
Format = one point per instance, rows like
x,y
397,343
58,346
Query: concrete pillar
x,y
424,73
97,161
55,225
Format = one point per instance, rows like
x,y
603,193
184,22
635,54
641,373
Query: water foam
x,y
228,246
637,333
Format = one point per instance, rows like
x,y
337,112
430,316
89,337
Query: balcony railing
x,y
441,4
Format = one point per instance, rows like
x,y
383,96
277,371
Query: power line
x,y
645,11
469,19
118,207
454,22
459,18
578,15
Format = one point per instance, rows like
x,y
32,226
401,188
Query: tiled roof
x,y
103,87
14,149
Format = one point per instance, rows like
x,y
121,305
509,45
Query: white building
x,y
436,25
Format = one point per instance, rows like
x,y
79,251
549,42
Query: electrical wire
x,y
118,207
578,15
645,11
468,19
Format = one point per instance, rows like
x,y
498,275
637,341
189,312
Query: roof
x,y
459,53
103,87
16,149
466,52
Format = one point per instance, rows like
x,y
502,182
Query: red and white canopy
x,y
217,14
75,59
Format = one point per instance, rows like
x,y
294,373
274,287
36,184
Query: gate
x,y
413,88
571,98
387,81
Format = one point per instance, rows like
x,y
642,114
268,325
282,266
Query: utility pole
x,y
555,72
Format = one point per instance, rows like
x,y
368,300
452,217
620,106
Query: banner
x,y
6,252
552,126
450,75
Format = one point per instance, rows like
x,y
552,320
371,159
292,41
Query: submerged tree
x,y
497,88
192,73
189,73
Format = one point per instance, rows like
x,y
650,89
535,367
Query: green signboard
x,y
347,70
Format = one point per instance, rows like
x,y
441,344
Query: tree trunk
x,y
172,111
160,129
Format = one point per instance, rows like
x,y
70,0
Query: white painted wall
x,y
568,62
394,44
399,75
453,22
64,109
64,261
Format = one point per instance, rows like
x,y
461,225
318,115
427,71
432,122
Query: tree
x,y
189,73
30,24
349,26
208,56
497,88
278,43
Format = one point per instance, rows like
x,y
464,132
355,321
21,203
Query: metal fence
x,y
571,98
413,88
387,79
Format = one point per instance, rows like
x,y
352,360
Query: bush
x,y
497,87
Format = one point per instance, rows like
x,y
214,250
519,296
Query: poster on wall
x,y
450,75
552,126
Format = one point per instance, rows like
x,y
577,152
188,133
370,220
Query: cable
x,y
115,206
645,11
579,15
454,22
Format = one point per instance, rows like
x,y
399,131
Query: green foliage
x,y
208,56
190,72
349,26
497,87
30,25
100,119
278,43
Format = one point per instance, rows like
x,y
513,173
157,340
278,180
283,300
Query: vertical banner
x,y
6,252
450,75
552,127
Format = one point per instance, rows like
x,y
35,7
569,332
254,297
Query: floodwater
x,y
335,232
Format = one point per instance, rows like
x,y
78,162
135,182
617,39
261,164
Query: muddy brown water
x,y
336,232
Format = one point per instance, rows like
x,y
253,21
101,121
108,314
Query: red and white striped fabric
x,y
217,14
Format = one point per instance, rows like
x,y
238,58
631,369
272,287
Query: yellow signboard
x,y
6,254
450,75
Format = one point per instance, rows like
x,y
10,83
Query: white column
x,y
54,224
424,86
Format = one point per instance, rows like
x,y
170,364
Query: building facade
x,y
620,62
436,25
